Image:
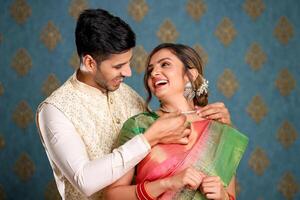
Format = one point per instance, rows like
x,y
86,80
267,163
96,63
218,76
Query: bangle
x,y
138,192
141,192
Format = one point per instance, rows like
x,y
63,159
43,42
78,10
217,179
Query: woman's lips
x,y
158,83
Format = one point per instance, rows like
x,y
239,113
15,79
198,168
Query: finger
x,y
186,132
225,121
188,179
211,196
213,105
192,184
209,184
216,116
211,179
210,190
202,174
216,104
211,111
182,132
198,109
196,177
184,140
199,175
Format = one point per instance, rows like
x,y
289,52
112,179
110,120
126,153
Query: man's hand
x,y
216,111
169,128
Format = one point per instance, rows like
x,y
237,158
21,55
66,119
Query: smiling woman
x,y
174,66
205,167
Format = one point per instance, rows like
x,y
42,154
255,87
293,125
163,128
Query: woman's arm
x,y
122,188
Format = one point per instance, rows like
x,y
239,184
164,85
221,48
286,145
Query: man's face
x,y
112,71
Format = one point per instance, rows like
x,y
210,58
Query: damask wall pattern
x,y
251,51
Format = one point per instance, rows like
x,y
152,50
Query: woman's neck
x,y
177,103
180,104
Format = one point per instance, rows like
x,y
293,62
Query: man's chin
x,y
114,88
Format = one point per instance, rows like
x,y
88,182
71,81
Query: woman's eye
x,y
149,69
165,64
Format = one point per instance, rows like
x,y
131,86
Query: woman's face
x,y
166,75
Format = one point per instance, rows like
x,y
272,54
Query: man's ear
x,y
89,63
194,73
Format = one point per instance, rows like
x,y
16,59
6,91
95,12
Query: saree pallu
x,y
216,151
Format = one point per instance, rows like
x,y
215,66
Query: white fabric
x,y
67,151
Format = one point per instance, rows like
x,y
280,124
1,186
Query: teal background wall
x,y
252,55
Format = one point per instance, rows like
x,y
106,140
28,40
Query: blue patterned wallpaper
x,y
252,54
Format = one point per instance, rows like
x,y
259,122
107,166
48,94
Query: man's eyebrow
x,y
120,64
160,60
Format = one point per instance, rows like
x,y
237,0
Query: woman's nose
x,y
156,71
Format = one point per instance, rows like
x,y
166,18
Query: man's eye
x,y
118,66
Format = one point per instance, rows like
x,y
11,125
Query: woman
x,y
202,169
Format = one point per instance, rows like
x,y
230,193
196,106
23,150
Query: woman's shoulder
x,y
140,121
136,125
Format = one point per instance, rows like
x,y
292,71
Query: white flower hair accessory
x,y
190,93
203,88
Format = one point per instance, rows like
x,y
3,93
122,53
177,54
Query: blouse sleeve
x,y
129,130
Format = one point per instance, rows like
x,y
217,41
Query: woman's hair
x,y
190,59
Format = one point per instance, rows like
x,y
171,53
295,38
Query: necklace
x,y
182,112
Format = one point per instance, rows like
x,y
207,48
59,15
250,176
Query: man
x,y
80,122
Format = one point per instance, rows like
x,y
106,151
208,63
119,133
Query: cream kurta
x,y
97,119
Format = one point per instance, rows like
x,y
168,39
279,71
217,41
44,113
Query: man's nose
x,y
126,71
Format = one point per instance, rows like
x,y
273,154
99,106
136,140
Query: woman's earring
x,y
189,92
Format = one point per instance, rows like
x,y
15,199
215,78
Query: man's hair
x,y
100,34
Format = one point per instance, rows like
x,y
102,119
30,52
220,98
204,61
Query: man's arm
x,y
66,149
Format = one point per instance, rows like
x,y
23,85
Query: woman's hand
x,y
190,177
212,187
216,111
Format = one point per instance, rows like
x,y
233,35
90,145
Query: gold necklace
x,y
182,112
